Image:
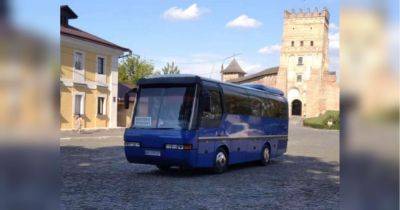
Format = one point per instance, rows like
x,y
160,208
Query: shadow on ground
x,y
103,177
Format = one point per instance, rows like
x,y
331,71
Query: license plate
x,y
152,153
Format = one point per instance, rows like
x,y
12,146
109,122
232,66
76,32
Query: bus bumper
x,y
157,156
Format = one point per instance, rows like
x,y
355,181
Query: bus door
x,y
210,115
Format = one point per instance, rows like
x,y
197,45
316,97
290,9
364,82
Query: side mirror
x,y
206,101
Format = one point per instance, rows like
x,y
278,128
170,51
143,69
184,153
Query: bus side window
x,y
283,110
211,116
255,105
267,111
272,108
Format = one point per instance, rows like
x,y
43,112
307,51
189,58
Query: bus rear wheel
x,y
220,161
266,156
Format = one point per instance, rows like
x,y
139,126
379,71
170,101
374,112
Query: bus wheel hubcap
x,y
221,159
266,154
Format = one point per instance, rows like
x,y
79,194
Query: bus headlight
x,y
179,146
132,144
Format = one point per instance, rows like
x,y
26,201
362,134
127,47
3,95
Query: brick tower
x,y
232,71
304,61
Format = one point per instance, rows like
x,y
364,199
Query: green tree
x,y
134,68
170,68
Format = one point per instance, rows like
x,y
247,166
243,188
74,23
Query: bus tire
x,y
220,161
265,155
163,167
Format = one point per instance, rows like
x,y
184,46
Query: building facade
x,y
303,69
89,77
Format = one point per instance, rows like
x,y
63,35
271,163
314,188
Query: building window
x,y
292,44
100,106
311,43
300,61
100,65
79,103
299,78
301,43
78,61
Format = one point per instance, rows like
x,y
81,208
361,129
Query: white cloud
x,y
191,13
334,61
270,49
249,67
243,21
333,27
334,40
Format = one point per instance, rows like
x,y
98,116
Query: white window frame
x,y
83,64
104,104
82,111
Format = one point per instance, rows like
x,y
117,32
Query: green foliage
x,y
322,121
133,69
170,68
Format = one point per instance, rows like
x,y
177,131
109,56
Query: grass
x,y
329,120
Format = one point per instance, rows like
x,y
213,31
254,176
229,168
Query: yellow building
x,y
89,77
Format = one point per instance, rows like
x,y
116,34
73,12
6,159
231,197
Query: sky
x,y
198,35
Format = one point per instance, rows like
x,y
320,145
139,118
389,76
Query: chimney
x,y
66,13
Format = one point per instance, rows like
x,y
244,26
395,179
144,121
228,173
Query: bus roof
x,y
194,79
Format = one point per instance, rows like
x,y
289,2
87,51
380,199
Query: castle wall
x,y
268,80
226,77
331,92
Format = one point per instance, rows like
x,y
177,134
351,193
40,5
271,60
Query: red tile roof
x,y
79,34
268,71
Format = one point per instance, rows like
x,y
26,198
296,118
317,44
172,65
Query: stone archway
x,y
296,107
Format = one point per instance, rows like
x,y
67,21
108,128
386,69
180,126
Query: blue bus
x,y
194,122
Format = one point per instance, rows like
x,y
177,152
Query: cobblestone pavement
x,y
97,176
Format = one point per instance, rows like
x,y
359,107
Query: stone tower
x,y
232,71
304,61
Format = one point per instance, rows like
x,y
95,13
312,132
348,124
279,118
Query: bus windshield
x,y
164,107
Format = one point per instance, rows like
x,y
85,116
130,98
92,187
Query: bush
x,y
323,120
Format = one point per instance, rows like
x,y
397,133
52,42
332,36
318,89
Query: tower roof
x,y
233,67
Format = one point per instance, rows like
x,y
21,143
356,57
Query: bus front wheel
x,y
220,161
266,156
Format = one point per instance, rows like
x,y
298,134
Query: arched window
x,y
296,107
